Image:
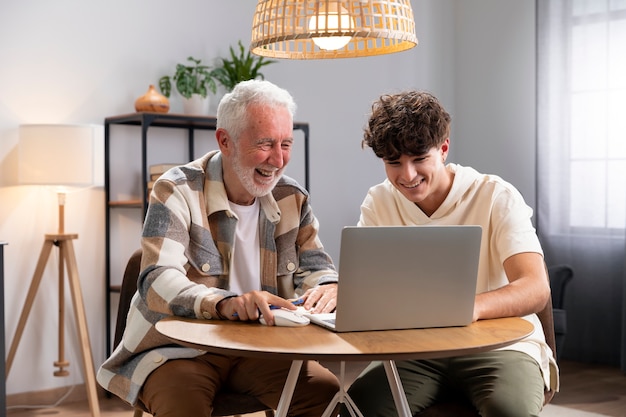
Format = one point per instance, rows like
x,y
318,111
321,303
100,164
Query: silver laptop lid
x,y
399,277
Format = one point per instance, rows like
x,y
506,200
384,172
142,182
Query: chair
x,y
226,403
458,408
560,276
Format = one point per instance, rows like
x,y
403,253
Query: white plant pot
x,y
196,105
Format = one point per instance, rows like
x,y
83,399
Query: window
x,y
582,113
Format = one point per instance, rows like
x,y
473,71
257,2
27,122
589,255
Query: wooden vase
x,y
152,101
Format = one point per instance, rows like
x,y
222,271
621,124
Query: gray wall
x,y
71,61
495,89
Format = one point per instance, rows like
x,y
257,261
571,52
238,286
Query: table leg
x,y
402,405
290,385
342,397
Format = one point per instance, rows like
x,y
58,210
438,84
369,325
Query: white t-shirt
x,y
245,273
475,199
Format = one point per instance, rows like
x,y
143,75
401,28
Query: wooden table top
x,y
313,342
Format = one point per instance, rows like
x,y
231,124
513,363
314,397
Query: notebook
x,y
405,277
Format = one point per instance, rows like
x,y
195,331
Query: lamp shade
x,y
61,155
326,29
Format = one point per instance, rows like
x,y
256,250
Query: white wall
x,y
494,122
70,61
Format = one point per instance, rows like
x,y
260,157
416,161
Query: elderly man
x,y
225,237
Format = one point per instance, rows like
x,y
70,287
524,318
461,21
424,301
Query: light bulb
x,y
328,21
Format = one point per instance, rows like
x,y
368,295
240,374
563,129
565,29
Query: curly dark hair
x,y
408,123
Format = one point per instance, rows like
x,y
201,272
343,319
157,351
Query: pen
x,y
297,302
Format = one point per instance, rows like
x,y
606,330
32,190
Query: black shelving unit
x,y
146,120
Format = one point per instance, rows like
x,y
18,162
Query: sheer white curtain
x,y
581,162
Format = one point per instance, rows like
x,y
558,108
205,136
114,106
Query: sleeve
x,y
511,225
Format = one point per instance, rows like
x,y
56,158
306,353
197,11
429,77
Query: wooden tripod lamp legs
x,y
67,259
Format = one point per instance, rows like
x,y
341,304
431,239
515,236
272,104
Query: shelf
x,y
126,203
173,120
177,121
144,121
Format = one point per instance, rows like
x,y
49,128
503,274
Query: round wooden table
x,y
313,342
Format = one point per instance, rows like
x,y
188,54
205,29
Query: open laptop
x,y
405,277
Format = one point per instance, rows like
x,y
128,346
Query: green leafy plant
x,y
194,78
241,66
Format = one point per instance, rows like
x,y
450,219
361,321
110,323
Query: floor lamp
x,y
61,156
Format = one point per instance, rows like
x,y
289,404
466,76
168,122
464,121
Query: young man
x,y
410,133
224,237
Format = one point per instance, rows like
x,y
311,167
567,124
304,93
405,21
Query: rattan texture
x,y
280,28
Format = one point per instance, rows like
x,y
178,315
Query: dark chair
x,y
226,403
456,407
560,276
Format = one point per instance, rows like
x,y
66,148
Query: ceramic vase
x,y
152,101
196,105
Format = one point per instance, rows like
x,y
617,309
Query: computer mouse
x,y
286,318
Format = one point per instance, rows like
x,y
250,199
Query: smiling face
x,y
410,132
254,162
423,179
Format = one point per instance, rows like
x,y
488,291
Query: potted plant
x,y
241,66
193,82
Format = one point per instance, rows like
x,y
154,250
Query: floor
x,y
594,388
586,387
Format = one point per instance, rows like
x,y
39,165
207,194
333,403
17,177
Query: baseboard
x,y
51,396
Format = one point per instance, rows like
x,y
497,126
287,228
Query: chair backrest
x,y
226,403
559,276
127,290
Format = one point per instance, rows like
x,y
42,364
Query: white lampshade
x,y
61,155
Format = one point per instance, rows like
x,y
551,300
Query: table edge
x,y
348,357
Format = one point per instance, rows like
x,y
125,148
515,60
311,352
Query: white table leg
x,y
342,397
396,389
290,385
351,406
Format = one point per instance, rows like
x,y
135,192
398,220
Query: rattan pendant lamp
x,y
327,29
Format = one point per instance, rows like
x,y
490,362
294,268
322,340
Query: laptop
x,y
404,277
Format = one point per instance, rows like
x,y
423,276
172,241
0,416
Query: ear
x,y
445,148
224,141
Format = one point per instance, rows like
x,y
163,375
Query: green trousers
x,y
502,383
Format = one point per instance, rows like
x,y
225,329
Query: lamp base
x,y
61,372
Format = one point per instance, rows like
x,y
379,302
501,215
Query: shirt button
x,y
158,359
291,267
206,267
206,315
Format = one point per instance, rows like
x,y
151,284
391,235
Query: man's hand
x,y
321,299
251,305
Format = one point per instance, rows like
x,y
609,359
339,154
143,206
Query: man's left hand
x,y
321,299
